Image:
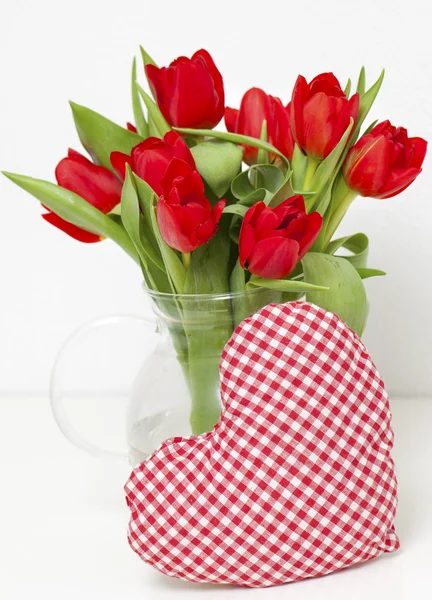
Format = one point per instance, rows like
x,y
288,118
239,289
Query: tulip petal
x,y
205,232
266,225
247,234
246,243
191,189
190,216
367,165
119,162
398,180
299,97
296,202
152,74
327,83
186,109
313,226
231,116
348,110
279,128
384,127
208,228
318,123
217,211
204,57
78,157
420,147
170,229
273,258
179,147
72,230
176,168
151,166
98,186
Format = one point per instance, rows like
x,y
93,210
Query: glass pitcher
x,y
158,377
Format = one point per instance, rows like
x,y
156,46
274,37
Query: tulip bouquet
x,y
206,212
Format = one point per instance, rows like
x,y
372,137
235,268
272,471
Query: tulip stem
x,y
312,166
337,216
186,258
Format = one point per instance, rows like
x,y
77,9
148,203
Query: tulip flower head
x,y
255,107
189,92
273,240
185,217
150,159
95,184
320,114
384,162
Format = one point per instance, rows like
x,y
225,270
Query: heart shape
x,y
295,480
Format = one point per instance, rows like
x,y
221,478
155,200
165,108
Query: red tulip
x,y
185,217
320,114
255,107
189,92
131,127
150,158
97,185
273,240
384,162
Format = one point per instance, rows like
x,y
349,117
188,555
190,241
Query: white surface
x,y
52,52
63,522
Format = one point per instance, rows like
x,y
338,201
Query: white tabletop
x,y
63,522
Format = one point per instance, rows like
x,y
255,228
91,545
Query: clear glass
x,y
159,377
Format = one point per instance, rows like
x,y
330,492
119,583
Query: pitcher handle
x,y
65,366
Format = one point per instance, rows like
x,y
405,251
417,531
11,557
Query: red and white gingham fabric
x,y
296,479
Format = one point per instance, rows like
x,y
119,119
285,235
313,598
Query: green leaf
x,y
100,136
73,209
140,121
366,273
347,89
271,181
234,229
218,162
366,102
147,59
173,265
146,197
236,138
323,199
207,272
327,167
263,156
154,113
236,209
358,244
238,279
130,215
239,301
346,296
137,224
164,256
285,285
299,165
371,126
361,84
153,130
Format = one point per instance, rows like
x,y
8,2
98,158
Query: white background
x,y
51,52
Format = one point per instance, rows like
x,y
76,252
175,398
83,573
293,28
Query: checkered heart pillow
x,y
296,479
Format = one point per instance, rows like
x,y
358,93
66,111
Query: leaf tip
x,y
12,176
